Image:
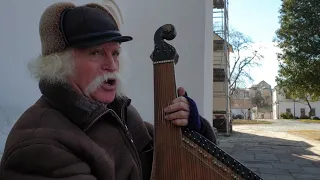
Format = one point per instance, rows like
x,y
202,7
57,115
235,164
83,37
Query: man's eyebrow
x,y
95,48
119,49
88,49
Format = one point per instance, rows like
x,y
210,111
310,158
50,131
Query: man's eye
x,y
116,53
95,53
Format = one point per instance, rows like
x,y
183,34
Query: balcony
x,y
218,75
218,4
218,45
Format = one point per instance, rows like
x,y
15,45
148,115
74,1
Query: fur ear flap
x,y
111,8
52,40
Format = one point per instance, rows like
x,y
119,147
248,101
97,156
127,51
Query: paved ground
x,y
274,154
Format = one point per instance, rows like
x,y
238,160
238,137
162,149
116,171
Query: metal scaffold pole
x,y
221,29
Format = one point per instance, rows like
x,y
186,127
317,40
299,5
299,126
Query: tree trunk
x,y
309,106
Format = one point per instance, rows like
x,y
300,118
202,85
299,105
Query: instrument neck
x,y
164,93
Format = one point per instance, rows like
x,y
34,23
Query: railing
x,y
219,75
219,4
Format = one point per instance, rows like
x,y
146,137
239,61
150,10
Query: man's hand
x,y
178,112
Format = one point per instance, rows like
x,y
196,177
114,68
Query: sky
x,y
259,20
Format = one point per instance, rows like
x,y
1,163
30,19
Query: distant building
x,y
241,101
266,91
282,104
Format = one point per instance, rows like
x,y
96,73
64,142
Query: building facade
x,y
298,108
221,73
257,98
241,102
221,70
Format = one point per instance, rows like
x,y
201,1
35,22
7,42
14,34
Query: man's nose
x,y
109,63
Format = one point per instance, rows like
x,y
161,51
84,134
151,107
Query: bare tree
x,y
261,101
238,98
244,113
258,100
244,57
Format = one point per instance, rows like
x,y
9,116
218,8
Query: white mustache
x,y
99,80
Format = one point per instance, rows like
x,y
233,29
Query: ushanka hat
x,y
63,25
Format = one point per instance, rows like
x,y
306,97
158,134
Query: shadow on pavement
x,y
273,158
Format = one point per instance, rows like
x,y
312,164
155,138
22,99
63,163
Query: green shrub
x,y
316,118
286,115
283,115
304,117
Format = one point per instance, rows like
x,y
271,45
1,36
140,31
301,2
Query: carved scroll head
x,y
164,52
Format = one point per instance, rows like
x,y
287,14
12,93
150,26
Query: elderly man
x,y
83,127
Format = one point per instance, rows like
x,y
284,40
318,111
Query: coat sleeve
x,y
207,131
43,162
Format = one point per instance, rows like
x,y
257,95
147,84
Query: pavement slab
x,y
271,152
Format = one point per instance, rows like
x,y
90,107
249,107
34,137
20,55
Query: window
x,y
246,94
218,45
218,75
303,111
313,112
288,110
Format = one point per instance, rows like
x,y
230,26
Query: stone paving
x,y
274,154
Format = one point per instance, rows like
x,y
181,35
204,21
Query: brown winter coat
x,y
64,136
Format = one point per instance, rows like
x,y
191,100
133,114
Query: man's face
x,y
96,70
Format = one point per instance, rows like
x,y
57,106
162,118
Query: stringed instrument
x,y
181,153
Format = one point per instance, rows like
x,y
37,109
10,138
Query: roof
x,y
261,85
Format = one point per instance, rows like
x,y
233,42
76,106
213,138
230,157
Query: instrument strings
x,y
175,157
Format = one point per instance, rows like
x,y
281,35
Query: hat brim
x,y
96,42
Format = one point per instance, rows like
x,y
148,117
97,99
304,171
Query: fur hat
x,y
56,35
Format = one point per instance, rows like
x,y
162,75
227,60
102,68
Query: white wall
x,y
193,43
19,42
275,111
284,105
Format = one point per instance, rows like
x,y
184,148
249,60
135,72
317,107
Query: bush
x,y
283,115
304,117
316,118
286,115
297,117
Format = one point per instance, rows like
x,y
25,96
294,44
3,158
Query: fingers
x,y
179,118
177,115
180,106
178,112
180,99
180,103
180,122
181,91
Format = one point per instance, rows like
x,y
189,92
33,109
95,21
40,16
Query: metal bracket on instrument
x,y
162,62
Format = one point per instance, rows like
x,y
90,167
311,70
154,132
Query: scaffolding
x,y
221,59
